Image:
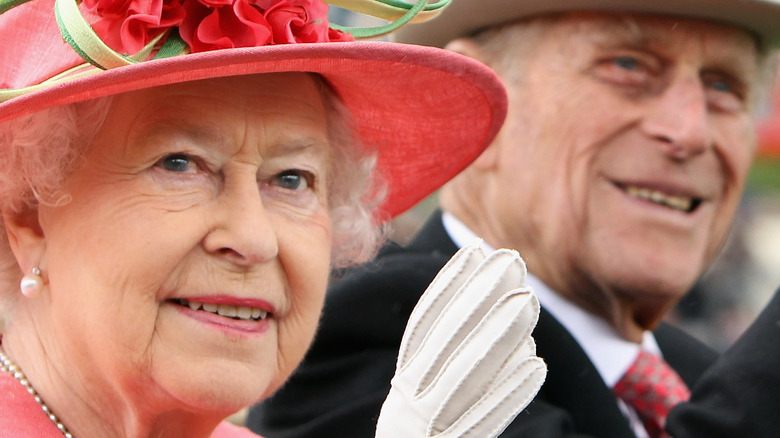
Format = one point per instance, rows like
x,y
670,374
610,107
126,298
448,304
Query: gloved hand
x,y
467,363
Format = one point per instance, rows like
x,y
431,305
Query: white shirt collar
x,y
609,353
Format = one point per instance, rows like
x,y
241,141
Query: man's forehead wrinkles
x,y
673,36
647,29
611,29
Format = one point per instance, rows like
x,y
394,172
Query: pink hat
x,y
428,112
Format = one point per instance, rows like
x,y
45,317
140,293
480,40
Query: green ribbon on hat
x,y
79,71
80,35
397,12
77,32
10,4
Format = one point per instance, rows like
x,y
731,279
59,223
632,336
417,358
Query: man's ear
x,y
466,47
488,159
25,236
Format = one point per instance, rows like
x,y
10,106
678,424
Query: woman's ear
x,y
25,236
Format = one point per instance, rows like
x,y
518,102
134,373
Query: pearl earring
x,y
31,283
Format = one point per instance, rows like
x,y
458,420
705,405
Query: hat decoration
x,y
425,113
125,32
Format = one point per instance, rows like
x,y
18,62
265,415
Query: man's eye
x,y
722,86
725,96
626,62
632,71
177,163
292,180
724,91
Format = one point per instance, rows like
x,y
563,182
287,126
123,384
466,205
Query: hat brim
x,y
465,17
427,112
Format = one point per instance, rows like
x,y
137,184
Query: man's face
x,y
624,156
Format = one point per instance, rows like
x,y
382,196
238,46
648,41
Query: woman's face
x,y
190,266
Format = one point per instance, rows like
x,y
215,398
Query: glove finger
x,y
502,271
523,351
436,297
503,401
526,346
479,360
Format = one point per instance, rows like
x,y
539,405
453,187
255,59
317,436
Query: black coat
x,y
339,388
739,396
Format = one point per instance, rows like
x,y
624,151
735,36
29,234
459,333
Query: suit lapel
x,y
685,354
433,238
574,384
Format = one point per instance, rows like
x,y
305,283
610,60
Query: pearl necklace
x,y
14,371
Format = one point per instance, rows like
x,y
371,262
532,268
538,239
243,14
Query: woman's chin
x,y
222,401
219,393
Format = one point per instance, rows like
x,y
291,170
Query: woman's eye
x,y
177,163
293,180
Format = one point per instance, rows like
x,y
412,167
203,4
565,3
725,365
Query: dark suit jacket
x,y
339,389
740,395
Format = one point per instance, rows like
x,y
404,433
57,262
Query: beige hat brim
x,y
464,17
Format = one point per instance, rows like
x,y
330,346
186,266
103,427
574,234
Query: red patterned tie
x,y
652,387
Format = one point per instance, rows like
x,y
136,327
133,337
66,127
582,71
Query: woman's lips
x,y
228,313
246,313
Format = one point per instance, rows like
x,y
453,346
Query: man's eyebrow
x,y
624,31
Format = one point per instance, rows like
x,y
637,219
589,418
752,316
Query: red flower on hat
x,y
218,24
300,21
128,25
222,24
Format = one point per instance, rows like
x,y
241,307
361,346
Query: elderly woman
x,y
178,179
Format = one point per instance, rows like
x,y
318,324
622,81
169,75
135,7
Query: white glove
x,y
467,363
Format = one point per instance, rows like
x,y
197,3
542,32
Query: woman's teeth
x,y
681,203
236,312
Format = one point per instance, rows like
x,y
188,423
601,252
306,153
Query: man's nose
x,y
679,119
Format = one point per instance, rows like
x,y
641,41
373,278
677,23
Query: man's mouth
x,y
684,204
243,313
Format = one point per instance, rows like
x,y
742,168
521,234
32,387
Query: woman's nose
x,y
679,119
242,232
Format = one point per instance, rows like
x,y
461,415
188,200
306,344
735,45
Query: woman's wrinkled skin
x,y
211,192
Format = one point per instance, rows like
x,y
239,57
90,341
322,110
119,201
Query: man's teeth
x,y
676,202
226,310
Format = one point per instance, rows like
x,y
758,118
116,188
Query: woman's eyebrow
x,y
200,132
302,144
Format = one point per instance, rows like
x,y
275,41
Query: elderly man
x,y
616,176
